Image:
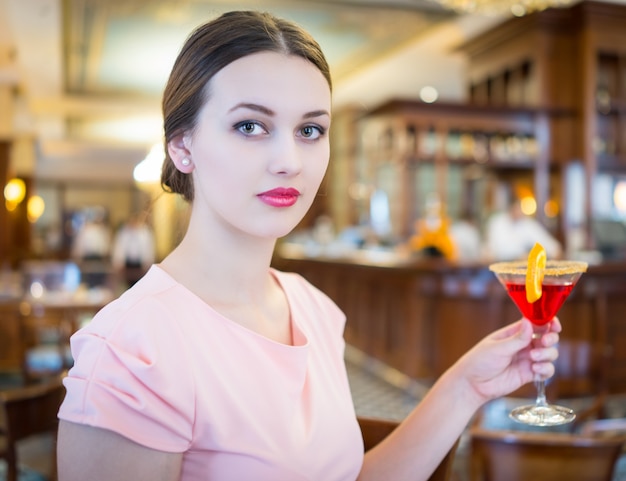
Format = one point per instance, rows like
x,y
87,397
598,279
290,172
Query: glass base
x,y
546,415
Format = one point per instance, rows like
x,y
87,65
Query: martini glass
x,y
559,280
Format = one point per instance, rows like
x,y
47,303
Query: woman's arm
x,y
496,366
94,454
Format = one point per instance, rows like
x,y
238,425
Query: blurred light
x,y
528,205
429,94
359,191
619,196
35,208
149,169
37,289
15,191
551,209
518,8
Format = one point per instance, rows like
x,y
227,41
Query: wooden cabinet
x,y
602,99
457,151
546,97
610,99
572,59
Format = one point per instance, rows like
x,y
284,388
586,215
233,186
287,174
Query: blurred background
x,y
463,131
82,80
80,125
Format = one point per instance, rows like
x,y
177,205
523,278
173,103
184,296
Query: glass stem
x,y
540,383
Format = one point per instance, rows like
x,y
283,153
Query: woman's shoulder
x,y
139,332
153,300
131,358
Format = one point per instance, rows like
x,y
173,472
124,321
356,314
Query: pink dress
x,y
162,368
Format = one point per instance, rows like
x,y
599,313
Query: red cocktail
x,y
545,308
559,278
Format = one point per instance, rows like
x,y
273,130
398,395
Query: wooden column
x,y
6,129
5,231
17,159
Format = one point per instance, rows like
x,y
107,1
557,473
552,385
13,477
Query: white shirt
x,y
93,239
134,244
509,239
467,241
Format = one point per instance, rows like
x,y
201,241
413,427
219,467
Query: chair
x,y
542,456
45,343
25,412
604,427
374,430
582,371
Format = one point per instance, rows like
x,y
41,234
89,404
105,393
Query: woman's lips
x,y
280,197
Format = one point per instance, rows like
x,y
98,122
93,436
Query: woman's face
x,y
260,148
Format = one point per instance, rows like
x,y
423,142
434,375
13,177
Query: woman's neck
x,y
235,282
220,261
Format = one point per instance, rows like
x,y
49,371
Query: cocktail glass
x,y
559,280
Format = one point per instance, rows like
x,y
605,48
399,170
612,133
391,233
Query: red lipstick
x,y
280,197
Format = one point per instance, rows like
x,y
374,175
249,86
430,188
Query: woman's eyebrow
x,y
270,112
250,106
316,113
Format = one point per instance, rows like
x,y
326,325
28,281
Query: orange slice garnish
x,y
534,273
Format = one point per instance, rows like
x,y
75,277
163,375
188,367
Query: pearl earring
x,y
185,162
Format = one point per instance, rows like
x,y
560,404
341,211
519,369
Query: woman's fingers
x,y
544,370
555,325
544,354
521,328
549,339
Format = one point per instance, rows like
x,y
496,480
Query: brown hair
x,y
211,47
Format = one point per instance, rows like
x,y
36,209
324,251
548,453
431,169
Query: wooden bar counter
x,y
420,316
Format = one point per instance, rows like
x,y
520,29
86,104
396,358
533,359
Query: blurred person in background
x,y
93,239
133,249
91,248
511,234
466,237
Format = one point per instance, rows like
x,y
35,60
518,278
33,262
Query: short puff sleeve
x,y
131,376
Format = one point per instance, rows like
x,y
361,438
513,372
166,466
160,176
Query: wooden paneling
x,y
5,237
10,337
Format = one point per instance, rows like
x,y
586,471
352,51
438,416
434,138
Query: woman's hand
x,y
509,358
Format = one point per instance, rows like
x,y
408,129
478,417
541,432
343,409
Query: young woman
x,y
215,366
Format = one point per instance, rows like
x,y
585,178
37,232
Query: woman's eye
x,y
311,132
250,128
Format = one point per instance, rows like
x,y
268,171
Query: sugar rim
x,y
553,268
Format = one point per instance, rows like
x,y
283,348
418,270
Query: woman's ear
x,y
179,153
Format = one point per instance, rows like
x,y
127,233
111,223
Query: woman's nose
x,y
285,157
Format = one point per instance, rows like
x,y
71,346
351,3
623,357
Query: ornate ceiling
x,y
128,46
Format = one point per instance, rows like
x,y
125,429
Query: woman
x,y
214,365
